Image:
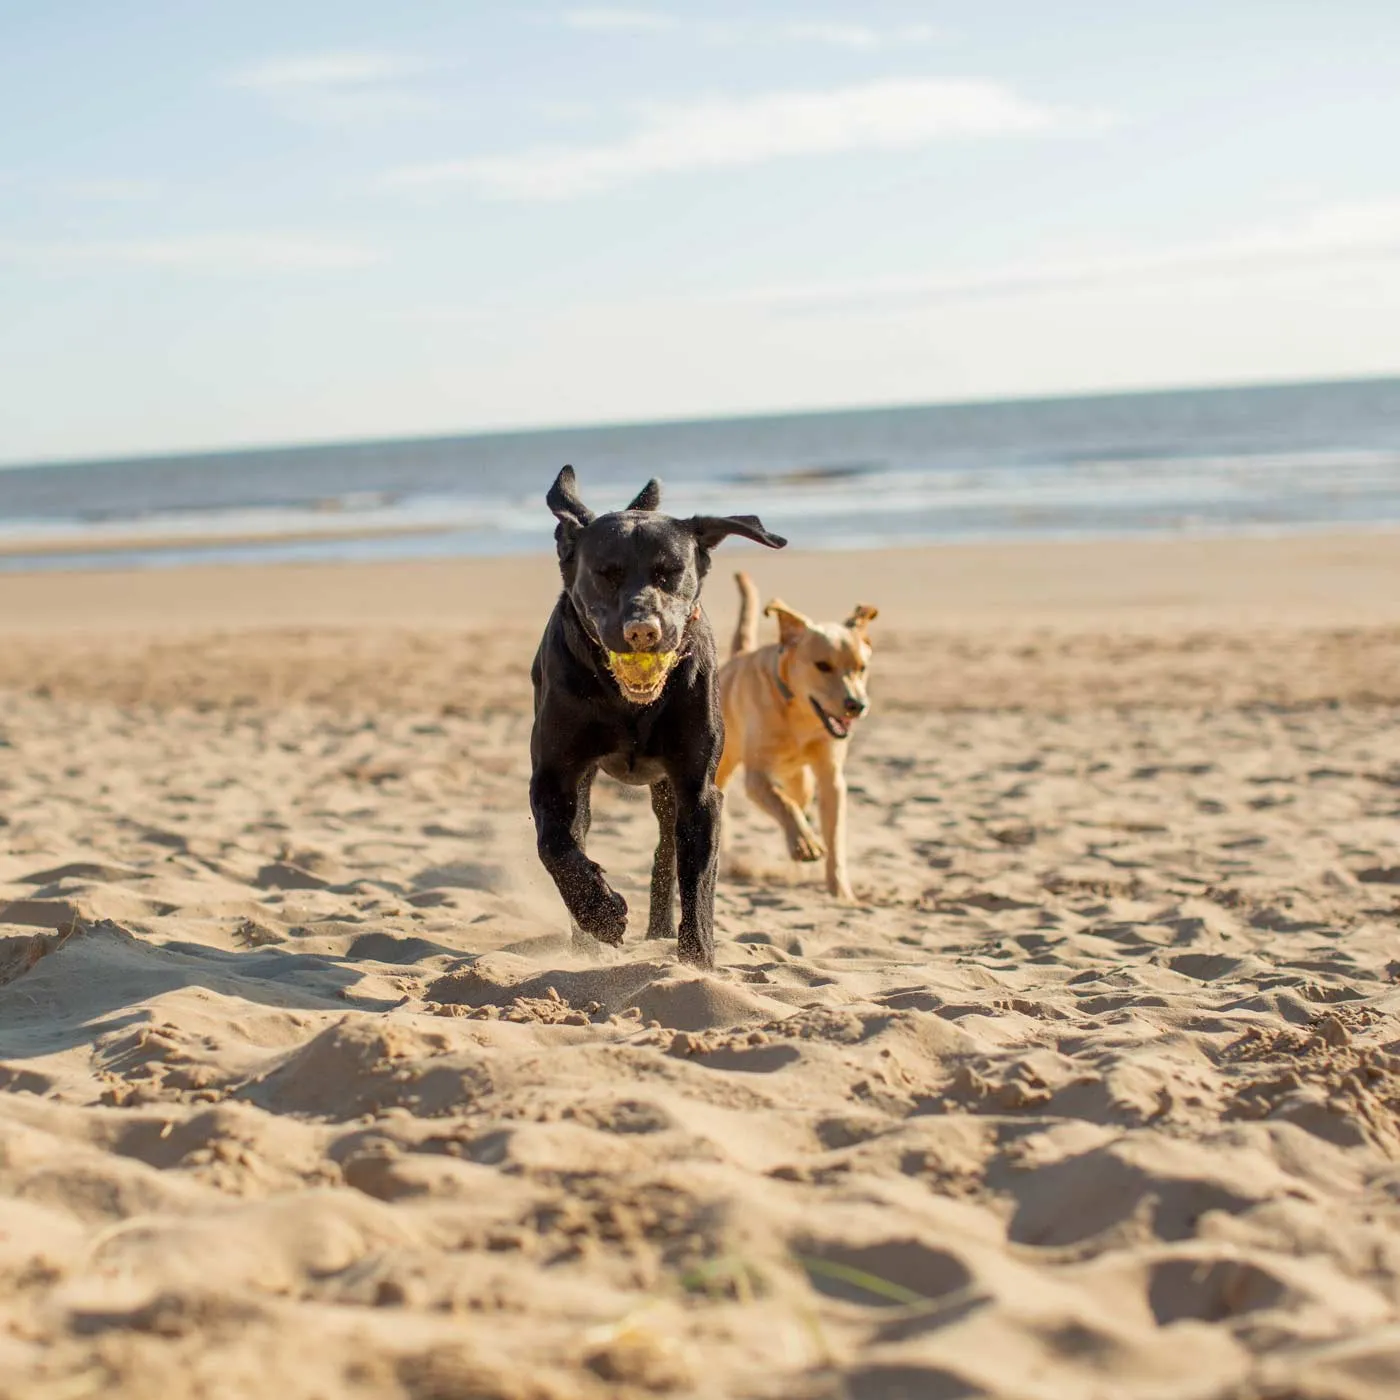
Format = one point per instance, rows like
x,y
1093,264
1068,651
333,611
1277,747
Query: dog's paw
x,y
805,846
840,888
696,948
602,913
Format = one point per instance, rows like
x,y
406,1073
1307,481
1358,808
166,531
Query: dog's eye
x,y
665,578
825,667
612,575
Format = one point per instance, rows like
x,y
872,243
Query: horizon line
x,y
754,416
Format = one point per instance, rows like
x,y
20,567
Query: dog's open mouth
x,y
641,675
837,728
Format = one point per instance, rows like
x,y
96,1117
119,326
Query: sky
x,y
313,220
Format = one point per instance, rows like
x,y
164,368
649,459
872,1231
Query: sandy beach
x,y
1092,1095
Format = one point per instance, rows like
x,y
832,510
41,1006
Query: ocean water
x,y
1279,458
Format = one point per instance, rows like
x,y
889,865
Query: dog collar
x,y
783,688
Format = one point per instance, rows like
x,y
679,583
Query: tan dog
x,y
788,711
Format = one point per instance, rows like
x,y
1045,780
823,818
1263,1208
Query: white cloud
x,y
1335,237
206,253
329,70
836,33
112,189
1323,246
338,89
620,21
858,36
719,133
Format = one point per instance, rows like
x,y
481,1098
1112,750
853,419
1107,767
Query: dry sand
x,y
1092,1096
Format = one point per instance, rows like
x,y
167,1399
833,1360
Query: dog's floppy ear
x,y
709,530
648,498
563,500
862,614
791,623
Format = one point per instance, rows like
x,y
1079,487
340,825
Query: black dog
x,y
625,681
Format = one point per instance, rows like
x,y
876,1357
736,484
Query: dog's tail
x,y
746,630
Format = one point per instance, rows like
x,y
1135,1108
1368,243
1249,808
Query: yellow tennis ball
x,y
642,670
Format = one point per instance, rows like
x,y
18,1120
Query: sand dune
x,y
1093,1094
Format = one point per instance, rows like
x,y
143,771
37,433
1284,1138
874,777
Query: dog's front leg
x,y
698,806
831,800
592,903
802,842
661,920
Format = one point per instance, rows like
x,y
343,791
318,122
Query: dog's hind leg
x,y
661,921
728,762
698,806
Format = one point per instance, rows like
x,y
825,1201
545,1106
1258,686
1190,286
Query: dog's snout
x,y
855,706
643,634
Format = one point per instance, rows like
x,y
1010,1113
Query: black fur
x,y
639,570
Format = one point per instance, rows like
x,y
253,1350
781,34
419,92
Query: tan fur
x,y
746,629
783,746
